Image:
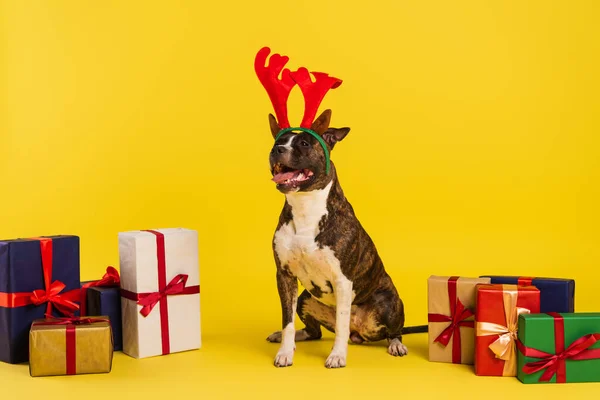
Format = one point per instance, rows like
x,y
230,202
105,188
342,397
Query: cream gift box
x,y
160,289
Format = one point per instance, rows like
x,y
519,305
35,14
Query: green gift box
x,y
559,348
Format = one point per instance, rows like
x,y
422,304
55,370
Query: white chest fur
x,y
297,249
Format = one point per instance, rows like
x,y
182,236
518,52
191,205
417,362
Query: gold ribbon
x,y
505,347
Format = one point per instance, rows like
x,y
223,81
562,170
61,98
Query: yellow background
x,y
474,150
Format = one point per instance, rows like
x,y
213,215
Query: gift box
x,y
38,276
451,307
160,289
103,297
496,322
559,348
70,346
107,301
556,295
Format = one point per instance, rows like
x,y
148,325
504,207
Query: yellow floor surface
x,y
238,365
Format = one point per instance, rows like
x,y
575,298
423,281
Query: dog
x,y
319,240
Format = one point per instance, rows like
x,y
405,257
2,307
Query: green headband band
x,y
313,134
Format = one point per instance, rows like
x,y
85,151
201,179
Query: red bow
x,y
64,303
175,287
555,364
110,279
457,318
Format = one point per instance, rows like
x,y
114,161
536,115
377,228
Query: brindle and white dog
x,y
320,242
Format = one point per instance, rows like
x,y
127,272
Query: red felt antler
x,y
277,89
313,92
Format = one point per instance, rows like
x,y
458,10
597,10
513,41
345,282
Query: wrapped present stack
x,y
511,326
62,326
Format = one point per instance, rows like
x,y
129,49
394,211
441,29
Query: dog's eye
x,y
304,143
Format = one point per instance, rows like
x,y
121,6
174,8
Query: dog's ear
x,y
322,123
334,135
274,126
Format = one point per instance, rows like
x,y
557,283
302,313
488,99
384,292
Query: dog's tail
x,y
414,329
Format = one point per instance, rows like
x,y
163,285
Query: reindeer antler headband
x,y
279,91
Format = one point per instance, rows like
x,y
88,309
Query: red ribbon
x,y
457,318
71,340
110,279
525,280
71,321
65,303
149,300
555,364
177,286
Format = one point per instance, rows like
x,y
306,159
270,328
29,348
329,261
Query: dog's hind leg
x,y
392,316
379,318
313,314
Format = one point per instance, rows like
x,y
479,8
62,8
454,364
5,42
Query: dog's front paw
x,y
284,358
396,348
337,359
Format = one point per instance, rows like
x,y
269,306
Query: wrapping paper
x,y
107,301
451,305
556,294
559,348
70,347
111,279
102,297
160,291
496,325
35,271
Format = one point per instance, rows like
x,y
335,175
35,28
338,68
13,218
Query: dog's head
x,y
300,156
299,160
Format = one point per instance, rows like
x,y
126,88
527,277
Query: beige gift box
x,y
440,290
160,265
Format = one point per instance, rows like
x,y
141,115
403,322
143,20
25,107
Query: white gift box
x,y
153,265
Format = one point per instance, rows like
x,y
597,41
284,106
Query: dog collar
x,y
313,134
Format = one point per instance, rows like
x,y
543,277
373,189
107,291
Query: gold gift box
x,y
439,303
91,347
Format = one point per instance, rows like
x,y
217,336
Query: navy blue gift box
x,y
556,295
106,301
24,277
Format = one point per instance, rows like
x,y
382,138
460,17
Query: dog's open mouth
x,y
287,176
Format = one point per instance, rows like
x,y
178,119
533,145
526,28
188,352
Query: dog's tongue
x,y
284,176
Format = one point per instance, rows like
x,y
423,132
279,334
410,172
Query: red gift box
x,y
496,322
